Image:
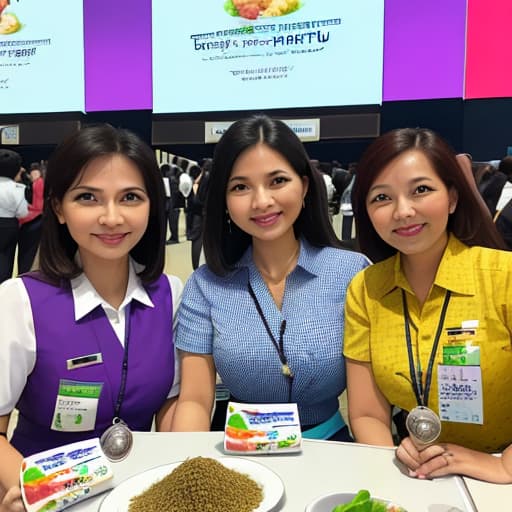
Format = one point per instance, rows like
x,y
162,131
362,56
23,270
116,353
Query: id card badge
x,y
76,406
462,346
460,394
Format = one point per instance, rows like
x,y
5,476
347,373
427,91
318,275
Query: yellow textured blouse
x,y
480,281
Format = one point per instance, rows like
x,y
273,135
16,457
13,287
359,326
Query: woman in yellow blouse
x,y
428,326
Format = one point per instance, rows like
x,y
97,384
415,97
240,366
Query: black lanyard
x,y
417,382
124,367
277,345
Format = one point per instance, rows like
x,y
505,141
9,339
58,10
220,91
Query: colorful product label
x,y
58,478
262,428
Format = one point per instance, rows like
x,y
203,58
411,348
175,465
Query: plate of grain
x,y
223,484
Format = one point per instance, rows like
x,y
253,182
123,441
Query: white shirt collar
x,y
86,298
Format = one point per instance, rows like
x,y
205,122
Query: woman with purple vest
x,y
65,330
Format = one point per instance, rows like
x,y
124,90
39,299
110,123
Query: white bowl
x,y
327,502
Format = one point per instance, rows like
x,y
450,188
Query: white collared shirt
x,y
17,335
12,199
505,196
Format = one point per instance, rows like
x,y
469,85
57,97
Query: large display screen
x,y
225,55
41,56
215,55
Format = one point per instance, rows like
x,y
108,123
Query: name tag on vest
x,y
80,362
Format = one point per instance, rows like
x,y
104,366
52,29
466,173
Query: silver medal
x,y
116,442
423,425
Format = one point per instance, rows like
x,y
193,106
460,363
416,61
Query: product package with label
x,y
60,477
262,428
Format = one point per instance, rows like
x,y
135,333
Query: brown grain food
x,y
200,484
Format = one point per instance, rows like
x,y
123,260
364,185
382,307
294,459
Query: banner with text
x,y
214,55
41,56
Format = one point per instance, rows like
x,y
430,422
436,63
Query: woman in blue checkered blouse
x,y
266,311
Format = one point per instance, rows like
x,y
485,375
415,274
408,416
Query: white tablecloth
x,y
322,467
489,497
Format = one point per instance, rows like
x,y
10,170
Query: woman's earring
x,y
229,222
303,204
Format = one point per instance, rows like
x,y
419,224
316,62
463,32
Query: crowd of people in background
x,y
185,184
493,180
21,208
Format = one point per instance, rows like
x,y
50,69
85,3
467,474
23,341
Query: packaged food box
x,y
262,428
60,477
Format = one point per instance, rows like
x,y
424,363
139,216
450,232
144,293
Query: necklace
x,y
288,267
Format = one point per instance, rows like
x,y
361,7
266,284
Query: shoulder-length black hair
x,y
469,222
57,249
223,248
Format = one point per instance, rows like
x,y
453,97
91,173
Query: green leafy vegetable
x,y
362,502
378,506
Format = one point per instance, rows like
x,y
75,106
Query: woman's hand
x,y
12,501
443,459
426,461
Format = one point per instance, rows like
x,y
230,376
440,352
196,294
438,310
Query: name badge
x,y
80,362
460,394
76,406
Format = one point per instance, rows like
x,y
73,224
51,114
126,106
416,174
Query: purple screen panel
x,y
424,49
117,55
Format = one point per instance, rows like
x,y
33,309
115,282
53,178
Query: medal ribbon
x,y
124,366
277,345
416,376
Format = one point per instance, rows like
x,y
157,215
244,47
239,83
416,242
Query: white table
x,y
489,497
322,467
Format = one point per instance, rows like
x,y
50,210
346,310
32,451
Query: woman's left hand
x,y
429,461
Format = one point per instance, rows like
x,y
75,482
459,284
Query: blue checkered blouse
x,y
218,316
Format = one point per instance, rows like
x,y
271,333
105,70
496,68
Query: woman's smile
x,y
266,220
411,230
112,239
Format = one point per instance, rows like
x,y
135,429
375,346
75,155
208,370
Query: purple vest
x,y
59,338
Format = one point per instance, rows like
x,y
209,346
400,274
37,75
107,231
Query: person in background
x,y
439,287
164,170
193,173
266,311
195,208
24,178
329,187
13,206
99,292
503,221
177,202
490,184
340,179
346,206
30,225
505,167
